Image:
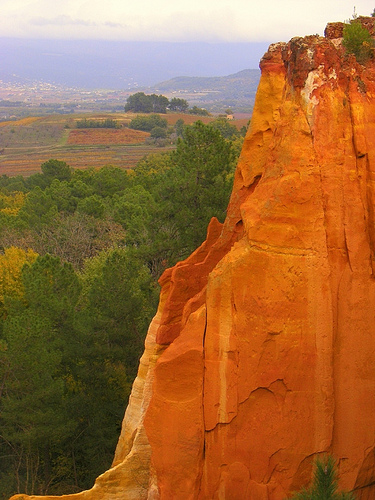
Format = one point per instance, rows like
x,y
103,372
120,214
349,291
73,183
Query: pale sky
x,y
174,20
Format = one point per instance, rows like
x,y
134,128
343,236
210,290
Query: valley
x,y
27,143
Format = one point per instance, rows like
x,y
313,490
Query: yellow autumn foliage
x,y
23,121
11,203
11,263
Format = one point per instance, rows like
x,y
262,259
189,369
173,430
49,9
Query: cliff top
x,y
335,30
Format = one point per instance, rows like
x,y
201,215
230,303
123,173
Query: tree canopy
x,y
178,104
80,255
142,103
152,103
357,40
147,123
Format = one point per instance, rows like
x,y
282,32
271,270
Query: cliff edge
x,y
261,355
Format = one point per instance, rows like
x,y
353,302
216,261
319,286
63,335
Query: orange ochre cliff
x,y
261,355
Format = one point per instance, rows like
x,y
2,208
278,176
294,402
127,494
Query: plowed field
x,y
106,136
29,162
27,143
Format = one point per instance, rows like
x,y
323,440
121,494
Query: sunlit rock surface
x,y
261,355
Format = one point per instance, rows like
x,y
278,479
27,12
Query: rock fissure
x,y
288,251
273,468
347,249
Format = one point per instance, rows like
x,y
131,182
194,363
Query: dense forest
x,y
80,255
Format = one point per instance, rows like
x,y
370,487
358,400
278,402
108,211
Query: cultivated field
x,y
27,143
89,137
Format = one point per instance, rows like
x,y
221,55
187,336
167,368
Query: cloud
x,y
66,21
61,21
114,25
208,20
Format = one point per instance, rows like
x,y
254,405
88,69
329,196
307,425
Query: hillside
x,y
216,93
236,91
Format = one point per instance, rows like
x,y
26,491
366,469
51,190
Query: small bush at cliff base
x,y
324,485
358,41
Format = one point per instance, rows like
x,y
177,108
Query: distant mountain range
x,y
93,64
216,93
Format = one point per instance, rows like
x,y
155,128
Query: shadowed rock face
x,y
261,355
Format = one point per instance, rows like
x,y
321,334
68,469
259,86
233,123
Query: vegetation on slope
x,y
358,41
80,255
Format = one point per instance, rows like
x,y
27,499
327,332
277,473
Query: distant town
x,y
45,98
20,97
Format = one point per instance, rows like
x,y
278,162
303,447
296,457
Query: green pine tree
x,y
358,41
324,485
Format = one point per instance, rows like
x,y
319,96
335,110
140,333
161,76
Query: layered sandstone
x,y
261,355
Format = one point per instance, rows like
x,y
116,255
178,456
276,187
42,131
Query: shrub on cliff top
x,y
358,41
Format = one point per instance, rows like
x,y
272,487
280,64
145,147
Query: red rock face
x,y
262,353
275,366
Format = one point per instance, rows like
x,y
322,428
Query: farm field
x,y
29,162
27,143
87,137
